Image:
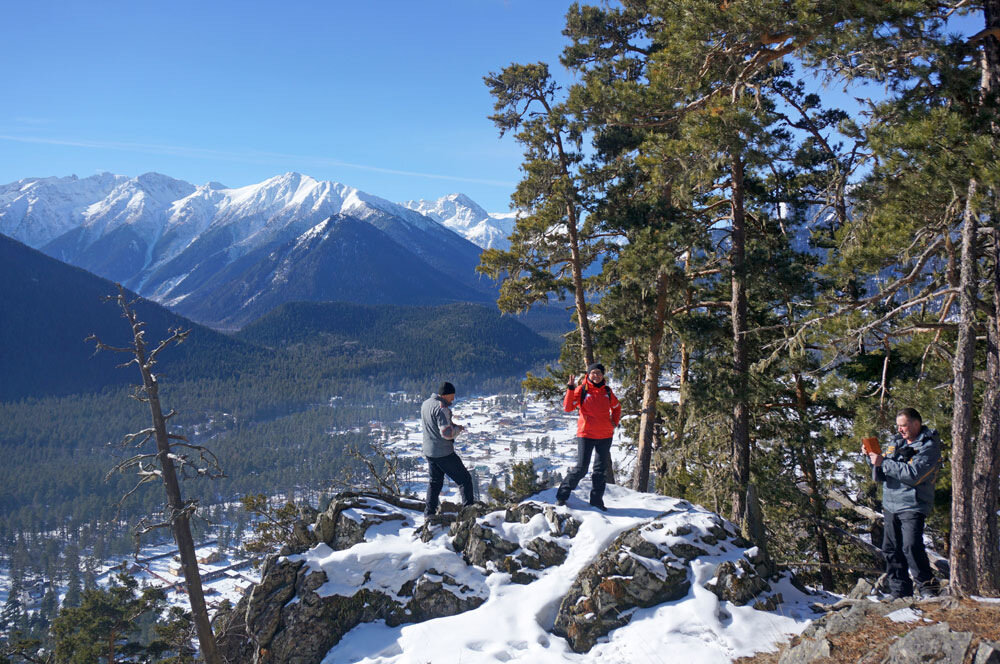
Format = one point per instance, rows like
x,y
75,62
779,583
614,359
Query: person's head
x,y
595,372
909,423
447,391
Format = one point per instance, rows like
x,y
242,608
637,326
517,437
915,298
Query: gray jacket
x,y
909,471
439,432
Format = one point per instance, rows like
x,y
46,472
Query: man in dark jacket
x,y
599,415
907,473
439,448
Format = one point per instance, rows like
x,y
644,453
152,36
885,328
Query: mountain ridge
x,y
173,242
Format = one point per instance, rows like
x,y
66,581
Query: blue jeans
x,y
585,448
453,467
903,546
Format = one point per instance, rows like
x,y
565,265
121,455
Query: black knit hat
x,y
446,388
595,365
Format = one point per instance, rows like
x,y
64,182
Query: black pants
x,y
453,467
585,448
903,546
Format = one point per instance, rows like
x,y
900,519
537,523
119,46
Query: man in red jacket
x,y
599,416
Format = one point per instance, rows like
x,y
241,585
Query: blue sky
x,y
386,96
383,95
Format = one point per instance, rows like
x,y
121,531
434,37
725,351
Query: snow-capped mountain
x,y
37,211
464,216
170,240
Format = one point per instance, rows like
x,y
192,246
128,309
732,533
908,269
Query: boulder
x,y
291,623
737,582
346,520
987,653
629,574
481,545
935,643
806,651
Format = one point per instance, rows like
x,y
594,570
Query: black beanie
x,y
595,365
446,388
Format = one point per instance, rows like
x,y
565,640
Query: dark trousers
x,y
585,448
903,546
453,467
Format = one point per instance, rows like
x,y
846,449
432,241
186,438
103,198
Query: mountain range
x,y
224,256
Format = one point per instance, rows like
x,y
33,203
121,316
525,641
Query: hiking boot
x,y
561,503
599,506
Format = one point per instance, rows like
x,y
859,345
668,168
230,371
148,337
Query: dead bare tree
x,y
174,453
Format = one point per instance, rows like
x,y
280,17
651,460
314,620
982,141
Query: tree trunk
x,y
985,530
586,340
740,448
651,387
808,462
963,579
179,517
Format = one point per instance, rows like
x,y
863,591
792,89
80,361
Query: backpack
x,y
583,392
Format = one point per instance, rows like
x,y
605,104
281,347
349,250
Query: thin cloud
x,y
255,157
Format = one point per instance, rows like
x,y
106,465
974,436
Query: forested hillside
x,y
464,340
50,308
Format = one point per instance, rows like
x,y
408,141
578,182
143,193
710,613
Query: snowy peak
x,y
171,240
464,216
37,210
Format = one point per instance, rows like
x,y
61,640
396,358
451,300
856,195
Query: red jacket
x,y
599,412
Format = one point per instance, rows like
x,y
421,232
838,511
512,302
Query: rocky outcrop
x,y
737,582
483,545
292,617
644,567
937,642
365,559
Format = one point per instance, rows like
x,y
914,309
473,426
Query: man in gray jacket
x,y
439,448
908,472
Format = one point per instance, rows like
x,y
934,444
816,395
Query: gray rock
x,y
433,598
484,547
936,643
607,591
686,551
522,513
806,651
849,620
862,589
738,582
561,523
268,627
987,653
339,531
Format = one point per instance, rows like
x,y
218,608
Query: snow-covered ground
x,y
514,623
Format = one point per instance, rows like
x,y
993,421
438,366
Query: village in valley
x,y
501,430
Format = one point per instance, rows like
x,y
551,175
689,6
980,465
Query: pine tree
x,y
105,625
550,247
